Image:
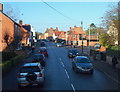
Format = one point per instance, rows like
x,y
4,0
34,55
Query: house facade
x,y
9,29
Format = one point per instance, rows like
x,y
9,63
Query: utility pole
x,y
82,35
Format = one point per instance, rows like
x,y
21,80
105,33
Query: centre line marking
x,y
60,59
73,87
67,74
62,64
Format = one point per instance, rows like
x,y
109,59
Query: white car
x,y
31,74
58,45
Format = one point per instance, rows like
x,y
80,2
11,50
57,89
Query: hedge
x,y
6,65
113,51
8,55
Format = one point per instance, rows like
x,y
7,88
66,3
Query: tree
x,y
106,40
110,17
12,13
96,30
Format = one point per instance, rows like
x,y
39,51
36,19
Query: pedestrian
x,y
33,49
114,62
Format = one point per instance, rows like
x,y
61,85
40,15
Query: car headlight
x,y
79,67
77,53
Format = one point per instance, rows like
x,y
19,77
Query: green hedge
x,y
8,55
6,65
113,51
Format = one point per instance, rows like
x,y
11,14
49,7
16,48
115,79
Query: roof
x,y
30,64
81,57
27,27
10,18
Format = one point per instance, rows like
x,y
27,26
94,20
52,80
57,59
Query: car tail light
x,y
40,74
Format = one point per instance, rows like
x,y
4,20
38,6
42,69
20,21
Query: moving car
x,y
40,58
58,45
31,74
82,64
72,53
43,50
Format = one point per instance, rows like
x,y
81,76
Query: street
x,y
59,74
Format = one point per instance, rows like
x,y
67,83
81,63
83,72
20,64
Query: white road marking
x,y
73,87
60,59
62,64
67,74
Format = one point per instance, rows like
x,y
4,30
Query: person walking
x,y
114,62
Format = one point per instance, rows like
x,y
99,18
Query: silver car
x,y
31,74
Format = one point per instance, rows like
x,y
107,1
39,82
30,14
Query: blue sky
x,y
40,16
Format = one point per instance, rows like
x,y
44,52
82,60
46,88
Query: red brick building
x,y
8,28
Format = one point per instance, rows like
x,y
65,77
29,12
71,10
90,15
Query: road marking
x,y
62,64
67,74
60,59
73,87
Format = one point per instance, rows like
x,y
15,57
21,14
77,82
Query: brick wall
x,y
7,28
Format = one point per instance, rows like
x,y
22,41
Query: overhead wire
x,y
57,11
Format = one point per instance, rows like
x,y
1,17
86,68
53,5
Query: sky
x,y
41,16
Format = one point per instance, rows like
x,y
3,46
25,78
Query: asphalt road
x,y
59,74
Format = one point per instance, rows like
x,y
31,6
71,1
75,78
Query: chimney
x,y
20,22
1,7
56,28
75,26
70,28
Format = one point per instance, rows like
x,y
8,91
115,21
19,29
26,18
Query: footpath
x,y
102,66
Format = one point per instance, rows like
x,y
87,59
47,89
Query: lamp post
x,y
82,35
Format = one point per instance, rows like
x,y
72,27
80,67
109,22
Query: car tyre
x,y
91,72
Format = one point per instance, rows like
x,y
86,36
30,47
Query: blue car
x,y
82,64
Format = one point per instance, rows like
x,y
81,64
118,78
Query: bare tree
x,y
12,13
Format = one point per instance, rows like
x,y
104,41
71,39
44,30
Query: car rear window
x,y
38,57
83,60
29,69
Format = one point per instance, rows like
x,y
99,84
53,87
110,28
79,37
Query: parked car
x,y
72,53
40,58
97,46
82,64
30,74
42,43
43,50
58,45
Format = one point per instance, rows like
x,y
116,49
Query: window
x,y
73,36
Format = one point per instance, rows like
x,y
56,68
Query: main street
x,y
59,74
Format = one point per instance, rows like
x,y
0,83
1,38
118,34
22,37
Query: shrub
x,y
113,51
8,55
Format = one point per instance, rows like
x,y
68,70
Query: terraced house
x,y
10,32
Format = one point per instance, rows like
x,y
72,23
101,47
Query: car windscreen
x,y
83,60
38,57
74,51
43,50
29,69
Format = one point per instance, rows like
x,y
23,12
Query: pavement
x,y
104,67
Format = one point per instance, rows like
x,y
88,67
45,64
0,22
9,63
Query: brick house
x,y
93,39
75,36
24,33
9,30
62,35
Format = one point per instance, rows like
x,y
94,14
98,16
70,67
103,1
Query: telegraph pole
x,y
82,35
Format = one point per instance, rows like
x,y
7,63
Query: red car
x,y
43,50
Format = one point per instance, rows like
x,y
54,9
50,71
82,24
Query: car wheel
x,y
91,72
73,67
19,86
